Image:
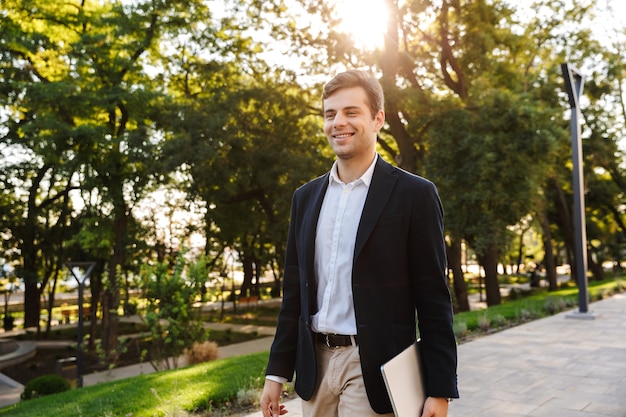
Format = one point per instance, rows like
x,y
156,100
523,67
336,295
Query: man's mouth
x,y
343,135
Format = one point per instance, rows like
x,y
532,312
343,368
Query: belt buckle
x,y
328,341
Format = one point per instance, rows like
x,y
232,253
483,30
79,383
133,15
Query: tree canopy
x,y
103,103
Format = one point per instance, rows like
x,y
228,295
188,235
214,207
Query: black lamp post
x,y
75,269
574,85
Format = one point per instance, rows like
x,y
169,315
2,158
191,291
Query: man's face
x,y
349,126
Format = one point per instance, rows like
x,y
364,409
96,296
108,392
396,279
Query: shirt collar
x,y
366,177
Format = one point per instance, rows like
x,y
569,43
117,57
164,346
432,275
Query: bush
x,y
45,385
498,320
554,305
517,293
202,352
484,322
248,397
527,314
460,329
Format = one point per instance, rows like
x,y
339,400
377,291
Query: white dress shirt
x,y
337,226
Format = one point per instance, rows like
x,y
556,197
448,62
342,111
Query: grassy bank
x,y
523,306
210,386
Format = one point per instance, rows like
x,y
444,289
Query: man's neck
x,y
350,169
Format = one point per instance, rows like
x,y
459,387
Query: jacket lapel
x,y
310,219
382,185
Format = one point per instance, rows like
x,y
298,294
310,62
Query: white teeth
x,y
345,135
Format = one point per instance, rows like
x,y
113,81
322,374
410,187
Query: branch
x,y
447,57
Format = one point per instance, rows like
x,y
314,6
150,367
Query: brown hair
x,y
357,78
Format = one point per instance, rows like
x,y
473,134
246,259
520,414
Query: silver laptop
x,y
404,380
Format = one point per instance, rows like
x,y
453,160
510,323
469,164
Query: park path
x,y
553,367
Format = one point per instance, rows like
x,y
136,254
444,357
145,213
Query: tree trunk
x,y
408,155
111,297
256,285
489,262
32,301
458,279
277,285
565,224
520,253
96,294
50,305
548,261
248,274
595,267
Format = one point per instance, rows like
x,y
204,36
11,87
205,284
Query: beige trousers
x,y
341,391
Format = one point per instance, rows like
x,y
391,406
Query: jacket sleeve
x,y
284,347
431,294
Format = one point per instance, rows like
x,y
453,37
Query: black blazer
x,y
399,268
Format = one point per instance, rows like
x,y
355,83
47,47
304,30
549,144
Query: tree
x,y
82,104
35,105
467,152
246,140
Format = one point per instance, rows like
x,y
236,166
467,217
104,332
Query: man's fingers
x,y
275,408
270,399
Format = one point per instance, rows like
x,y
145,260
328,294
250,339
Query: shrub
x,y
202,352
498,320
527,314
44,385
605,293
248,397
517,293
484,322
570,302
460,329
554,305
170,294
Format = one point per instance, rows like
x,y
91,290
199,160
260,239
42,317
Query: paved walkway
x,y
557,367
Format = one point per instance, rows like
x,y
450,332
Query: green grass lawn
x,y
524,307
226,384
209,387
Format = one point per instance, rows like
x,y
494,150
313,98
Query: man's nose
x,y
339,120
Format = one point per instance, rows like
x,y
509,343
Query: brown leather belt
x,y
335,340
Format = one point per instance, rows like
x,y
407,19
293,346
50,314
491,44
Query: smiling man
x,y
365,258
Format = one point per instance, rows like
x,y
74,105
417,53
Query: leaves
x,y
171,293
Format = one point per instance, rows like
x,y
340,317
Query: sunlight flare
x,y
365,21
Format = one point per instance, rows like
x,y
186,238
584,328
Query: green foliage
x,y
171,292
45,385
468,151
103,102
249,143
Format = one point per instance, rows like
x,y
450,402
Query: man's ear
x,y
379,119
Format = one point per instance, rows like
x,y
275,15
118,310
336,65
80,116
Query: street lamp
x,y
75,268
574,85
